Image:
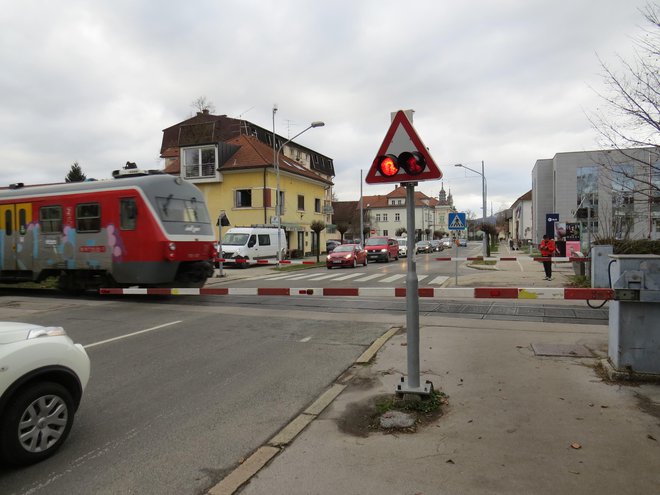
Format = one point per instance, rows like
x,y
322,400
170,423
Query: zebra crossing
x,y
342,276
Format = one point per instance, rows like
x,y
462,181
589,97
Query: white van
x,y
252,243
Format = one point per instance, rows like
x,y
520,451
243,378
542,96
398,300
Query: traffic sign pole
x,y
412,385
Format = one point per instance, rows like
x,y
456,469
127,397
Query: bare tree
x,y
631,115
202,104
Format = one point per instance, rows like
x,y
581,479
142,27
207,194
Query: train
x,y
140,228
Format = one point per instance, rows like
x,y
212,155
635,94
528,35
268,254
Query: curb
x,y
264,454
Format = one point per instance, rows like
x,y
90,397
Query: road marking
x,y
439,280
346,277
393,277
323,277
306,339
370,277
300,277
132,334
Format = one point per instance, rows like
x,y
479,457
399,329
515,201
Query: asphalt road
x,y
173,408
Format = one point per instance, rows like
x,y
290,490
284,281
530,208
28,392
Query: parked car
x,y
382,248
436,245
347,255
462,242
423,247
447,242
331,244
42,380
403,246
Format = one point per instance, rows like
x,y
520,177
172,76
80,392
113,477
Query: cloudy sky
x,y
507,82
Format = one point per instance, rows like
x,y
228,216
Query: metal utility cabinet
x,y
634,326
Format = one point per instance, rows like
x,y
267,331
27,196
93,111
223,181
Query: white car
x,y
403,246
43,375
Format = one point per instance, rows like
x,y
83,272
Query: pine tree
x,y
75,174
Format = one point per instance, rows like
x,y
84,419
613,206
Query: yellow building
x,y
232,162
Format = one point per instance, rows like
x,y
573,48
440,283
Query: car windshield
x,y
376,241
233,239
343,248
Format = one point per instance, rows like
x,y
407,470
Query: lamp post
x,y
278,206
483,199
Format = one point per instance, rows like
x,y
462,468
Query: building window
x,y
243,198
88,217
127,214
397,217
384,217
378,217
400,201
199,163
301,202
50,218
385,232
317,205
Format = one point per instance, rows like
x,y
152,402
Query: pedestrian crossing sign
x,y
457,221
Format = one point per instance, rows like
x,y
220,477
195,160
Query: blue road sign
x,y
457,221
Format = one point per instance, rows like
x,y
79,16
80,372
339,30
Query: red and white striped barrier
x,y
514,258
426,292
264,262
467,258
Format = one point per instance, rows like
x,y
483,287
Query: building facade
x,y
233,162
611,193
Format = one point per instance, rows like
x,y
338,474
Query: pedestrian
x,y
548,249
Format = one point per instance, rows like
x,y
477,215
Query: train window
x,y
181,210
8,223
88,217
50,219
128,214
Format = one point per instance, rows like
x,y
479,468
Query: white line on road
x,y
306,339
132,334
346,277
370,277
393,277
439,280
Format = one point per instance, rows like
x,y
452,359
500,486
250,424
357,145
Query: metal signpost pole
x,y
412,296
220,243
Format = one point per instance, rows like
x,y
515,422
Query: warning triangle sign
x,y
402,155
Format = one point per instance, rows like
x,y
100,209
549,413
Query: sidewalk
x,y
515,422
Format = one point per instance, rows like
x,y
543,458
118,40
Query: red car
x,y
347,255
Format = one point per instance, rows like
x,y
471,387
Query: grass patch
x,y
579,281
483,262
426,405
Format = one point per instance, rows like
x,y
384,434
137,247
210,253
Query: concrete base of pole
x,y
404,389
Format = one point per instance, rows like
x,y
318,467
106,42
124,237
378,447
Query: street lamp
x,y
278,207
483,199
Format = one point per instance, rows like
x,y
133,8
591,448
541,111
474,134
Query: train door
x,y
15,252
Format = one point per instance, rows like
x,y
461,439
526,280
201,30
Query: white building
x,y
613,194
386,214
520,223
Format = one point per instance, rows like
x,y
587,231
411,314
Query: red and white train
x,y
150,230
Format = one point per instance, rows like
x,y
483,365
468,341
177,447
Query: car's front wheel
x,y
36,423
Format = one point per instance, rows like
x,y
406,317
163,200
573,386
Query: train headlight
x,y
171,250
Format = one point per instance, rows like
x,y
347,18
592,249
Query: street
x,y
185,387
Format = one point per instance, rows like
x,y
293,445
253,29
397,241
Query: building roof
x,y
381,201
250,153
205,128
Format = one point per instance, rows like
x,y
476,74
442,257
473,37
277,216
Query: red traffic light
x,y
413,163
390,165
387,165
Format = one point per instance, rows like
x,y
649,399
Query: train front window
x,y
182,210
50,219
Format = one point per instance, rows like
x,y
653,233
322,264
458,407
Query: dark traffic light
x,y
412,163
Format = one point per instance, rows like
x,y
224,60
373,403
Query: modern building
x,y
520,222
611,193
233,162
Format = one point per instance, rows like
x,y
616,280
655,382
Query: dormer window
x,y
199,163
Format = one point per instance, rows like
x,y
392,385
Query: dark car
x,y
423,247
436,245
350,255
331,244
